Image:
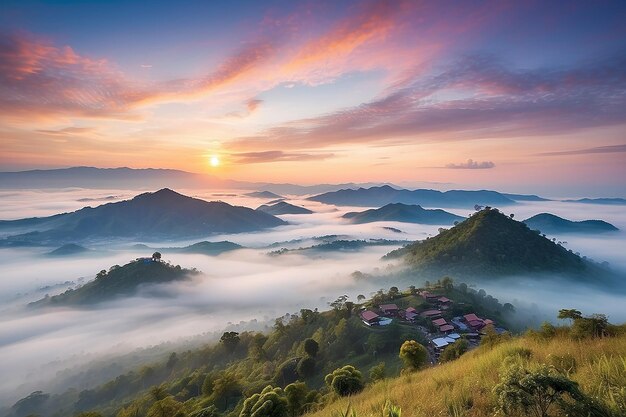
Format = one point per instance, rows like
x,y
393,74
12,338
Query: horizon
x,y
519,97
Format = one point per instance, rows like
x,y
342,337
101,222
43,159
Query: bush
x,y
454,351
345,381
413,355
306,367
271,402
377,372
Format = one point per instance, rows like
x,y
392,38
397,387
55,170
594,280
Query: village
x,y
436,319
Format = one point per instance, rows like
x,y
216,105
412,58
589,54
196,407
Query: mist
x,y
242,289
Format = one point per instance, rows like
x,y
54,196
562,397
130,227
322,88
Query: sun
x,y
214,161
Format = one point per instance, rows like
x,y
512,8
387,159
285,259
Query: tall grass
x,y
463,388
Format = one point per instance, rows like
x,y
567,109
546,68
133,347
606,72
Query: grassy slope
x,y
464,387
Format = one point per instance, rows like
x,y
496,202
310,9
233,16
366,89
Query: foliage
x,y
271,402
454,351
311,347
414,355
306,367
377,372
230,340
345,381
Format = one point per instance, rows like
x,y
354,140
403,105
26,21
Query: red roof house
x,y
446,328
440,322
471,317
369,316
388,308
431,313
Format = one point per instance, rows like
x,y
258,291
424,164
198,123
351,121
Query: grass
x,y
464,387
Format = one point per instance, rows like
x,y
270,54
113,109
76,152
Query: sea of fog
x,y
244,289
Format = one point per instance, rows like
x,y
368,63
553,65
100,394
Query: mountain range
x,y
549,223
162,214
403,213
380,196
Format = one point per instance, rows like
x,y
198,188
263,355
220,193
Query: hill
x,y
380,196
207,248
68,250
162,214
524,197
118,281
282,207
263,194
549,223
605,201
403,213
490,244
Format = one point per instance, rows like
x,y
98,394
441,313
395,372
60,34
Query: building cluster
x,y
446,328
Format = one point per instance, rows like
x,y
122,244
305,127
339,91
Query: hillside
x,y
403,213
68,250
162,214
263,194
605,201
282,207
549,223
118,281
490,244
380,196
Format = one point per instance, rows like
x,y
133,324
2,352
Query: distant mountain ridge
x,y
491,244
162,214
549,223
282,207
604,201
380,196
406,213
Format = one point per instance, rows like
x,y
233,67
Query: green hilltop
x,y
490,243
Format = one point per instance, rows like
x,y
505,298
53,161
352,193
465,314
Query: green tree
x,y
167,407
414,355
571,314
296,395
412,289
225,387
311,347
377,372
230,340
345,381
447,283
306,367
454,351
360,297
156,256
171,361
393,292
271,402
533,393
207,385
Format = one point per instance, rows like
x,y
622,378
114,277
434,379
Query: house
x,y
440,342
460,325
488,322
440,322
474,321
444,300
454,336
370,318
471,317
410,314
411,310
388,309
431,313
446,328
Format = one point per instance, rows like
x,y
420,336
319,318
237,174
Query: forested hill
x,y
117,282
490,243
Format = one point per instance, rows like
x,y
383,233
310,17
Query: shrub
x,y
345,381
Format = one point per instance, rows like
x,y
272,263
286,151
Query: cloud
x,y
253,104
277,156
490,100
68,131
471,164
599,149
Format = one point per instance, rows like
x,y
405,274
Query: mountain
x,y
68,250
283,207
162,214
549,223
605,201
524,197
490,243
380,196
399,212
263,194
207,248
118,281
148,178
340,246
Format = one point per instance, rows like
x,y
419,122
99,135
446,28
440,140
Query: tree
x,y
454,351
207,385
171,361
533,393
447,283
463,287
296,395
311,347
412,290
210,411
270,402
345,381
167,407
101,274
156,256
360,297
377,372
306,367
413,355
571,314
227,385
230,340
393,292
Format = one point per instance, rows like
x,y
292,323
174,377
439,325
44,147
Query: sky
x,y
516,96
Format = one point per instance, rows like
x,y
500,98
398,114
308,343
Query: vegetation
x,y
119,281
403,213
490,243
